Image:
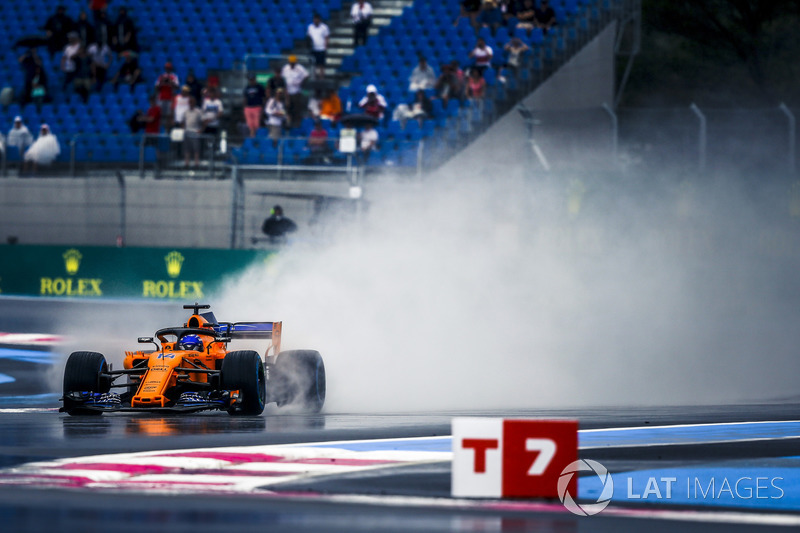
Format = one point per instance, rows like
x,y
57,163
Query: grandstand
x,y
216,36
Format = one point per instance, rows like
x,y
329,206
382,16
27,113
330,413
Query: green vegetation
x,y
717,53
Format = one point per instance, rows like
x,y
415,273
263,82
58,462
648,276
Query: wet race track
x,y
735,468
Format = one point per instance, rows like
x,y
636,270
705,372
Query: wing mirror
x,y
146,340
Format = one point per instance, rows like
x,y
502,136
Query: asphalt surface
x,y
30,430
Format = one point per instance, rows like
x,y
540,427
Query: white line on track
x,y
676,426
28,410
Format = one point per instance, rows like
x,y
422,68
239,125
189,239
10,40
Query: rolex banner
x,y
104,272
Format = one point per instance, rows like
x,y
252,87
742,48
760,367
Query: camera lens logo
x,y
585,509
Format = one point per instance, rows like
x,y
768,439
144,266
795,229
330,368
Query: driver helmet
x,y
191,342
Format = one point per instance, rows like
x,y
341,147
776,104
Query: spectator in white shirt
x,y
276,115
180,105
212,111
318,33
422,77
369,141
68,58
294,74
101,60
482,54
361,13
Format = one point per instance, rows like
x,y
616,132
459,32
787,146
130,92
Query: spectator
x,y
373,104
101,60
509,8
103,32
276,226
68,59
294,74
514,50
212,111
85,29
57,28
82,80
319,33
490,16
420,108
97,7
369,141
193,130
545,16
124,33
180,104
276,115
38,94
470,9
129,73
331,107
318,146
476,90
255,97
422,77
166,86
451,83
43,151
152,119
482,54
195,86
275,82
526,15
315,103
31,64
361,13
476,85
19,136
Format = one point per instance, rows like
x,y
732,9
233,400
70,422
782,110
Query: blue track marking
x,y
688,434
435,444
28,356
760,484
644,436
754,484
49,399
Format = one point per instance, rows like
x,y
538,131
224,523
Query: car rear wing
x,y
252,330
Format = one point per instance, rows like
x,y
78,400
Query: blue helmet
x,y
191,342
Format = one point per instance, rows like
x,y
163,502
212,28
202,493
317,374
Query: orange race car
x,y
192,370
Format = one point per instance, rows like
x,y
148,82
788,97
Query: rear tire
x,y
244,371
301,375
83,374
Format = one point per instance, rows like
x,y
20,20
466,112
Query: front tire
x,y
301,374
83,373
244,371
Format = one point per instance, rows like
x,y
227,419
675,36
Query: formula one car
x,y
192,370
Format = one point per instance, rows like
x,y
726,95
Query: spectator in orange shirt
x,y
330,108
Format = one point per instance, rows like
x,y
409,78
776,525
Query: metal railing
x,y
294,154
697,140
156,153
